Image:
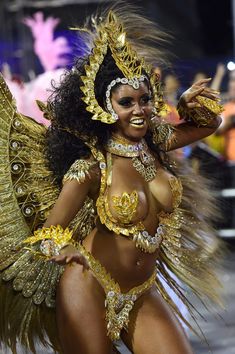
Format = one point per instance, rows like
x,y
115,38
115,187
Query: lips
x,y
137,122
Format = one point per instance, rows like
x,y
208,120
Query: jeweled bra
x,y
136,231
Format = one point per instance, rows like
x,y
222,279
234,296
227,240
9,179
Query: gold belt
x,y
118,305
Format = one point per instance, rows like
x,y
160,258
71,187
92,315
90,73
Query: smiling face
x,y
134,109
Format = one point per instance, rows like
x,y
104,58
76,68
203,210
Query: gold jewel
x,y
148,243
28,284
142,159
118,305
46,109
111,223
110,34
53,238
79,170
148,172
126,205
102,205
203,115
163,134
120,146
140,236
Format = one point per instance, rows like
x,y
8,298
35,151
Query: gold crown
x,y
110,35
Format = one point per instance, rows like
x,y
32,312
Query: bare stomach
x,y
128,265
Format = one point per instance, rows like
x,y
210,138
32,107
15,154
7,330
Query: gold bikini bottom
x,y
118,305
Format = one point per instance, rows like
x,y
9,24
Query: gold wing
x,y
27,193
190,250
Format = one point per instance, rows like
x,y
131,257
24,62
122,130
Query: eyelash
x,y
127,103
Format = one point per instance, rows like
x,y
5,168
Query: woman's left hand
x,y
70,254
199,88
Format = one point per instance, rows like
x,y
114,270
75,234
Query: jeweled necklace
x,y
143,161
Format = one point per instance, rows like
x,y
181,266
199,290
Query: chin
x,y
136,134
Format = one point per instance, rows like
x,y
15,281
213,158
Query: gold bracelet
x,y
201,116
52,238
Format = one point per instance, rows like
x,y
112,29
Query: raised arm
x,y
191,105
187,133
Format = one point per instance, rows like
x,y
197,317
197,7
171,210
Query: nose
x,y
138,110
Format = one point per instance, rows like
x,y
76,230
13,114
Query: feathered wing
x,y
190,249
143,34
27,193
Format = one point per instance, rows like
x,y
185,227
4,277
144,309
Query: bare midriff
x,y
128,265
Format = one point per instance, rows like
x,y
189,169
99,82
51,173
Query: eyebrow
x,y
131,97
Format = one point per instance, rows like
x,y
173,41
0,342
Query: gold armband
x,y
163,134
201,116
52,238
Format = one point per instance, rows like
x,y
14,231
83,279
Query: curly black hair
x,y
69,112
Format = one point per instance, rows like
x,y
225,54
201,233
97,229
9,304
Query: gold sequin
x,y
202,116
126,206
79,170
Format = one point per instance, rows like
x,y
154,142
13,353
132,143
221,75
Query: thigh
x,y
80,313
153,328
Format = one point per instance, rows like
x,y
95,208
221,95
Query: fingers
x,y
210,95
64,259
193,105
212,90
207,90
192,93
213,94
61,259
189,97
202,81
80,260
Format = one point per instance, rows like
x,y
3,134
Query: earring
x,y
154,112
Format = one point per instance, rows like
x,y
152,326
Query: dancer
x,y
94,214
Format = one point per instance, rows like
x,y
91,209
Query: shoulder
x,y
81,170
163,133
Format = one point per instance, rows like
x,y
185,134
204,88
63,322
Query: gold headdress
x,y
111,35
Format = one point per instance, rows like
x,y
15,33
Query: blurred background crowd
x,y
36,45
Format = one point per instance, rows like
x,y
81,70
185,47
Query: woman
x,y
106,147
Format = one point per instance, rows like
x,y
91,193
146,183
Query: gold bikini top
x,y
125,207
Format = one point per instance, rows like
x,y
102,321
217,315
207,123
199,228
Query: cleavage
x,y
126,194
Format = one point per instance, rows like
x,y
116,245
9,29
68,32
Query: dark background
x,y
202,31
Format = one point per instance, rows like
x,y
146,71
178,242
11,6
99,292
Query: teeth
x,y
137,121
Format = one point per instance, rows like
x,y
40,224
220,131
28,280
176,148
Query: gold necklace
x,y
143,161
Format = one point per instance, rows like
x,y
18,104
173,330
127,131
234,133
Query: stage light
x,y
231,65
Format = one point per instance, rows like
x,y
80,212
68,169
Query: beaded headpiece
x,y
111,35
